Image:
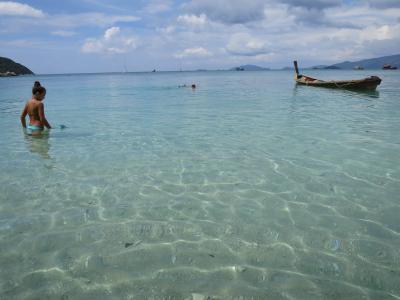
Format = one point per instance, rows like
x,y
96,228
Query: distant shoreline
x,y
372,64
187,71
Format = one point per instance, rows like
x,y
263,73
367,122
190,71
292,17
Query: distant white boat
x,y
389,67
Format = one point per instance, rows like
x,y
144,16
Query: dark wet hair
x,y
38,89
193,86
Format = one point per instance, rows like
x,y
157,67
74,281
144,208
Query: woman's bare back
x,y
35,109
33,112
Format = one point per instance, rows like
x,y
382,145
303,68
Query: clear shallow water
x,y
247,188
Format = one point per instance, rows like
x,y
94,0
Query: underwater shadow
x,y
348,92
38,143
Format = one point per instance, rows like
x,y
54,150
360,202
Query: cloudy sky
x,y
138,35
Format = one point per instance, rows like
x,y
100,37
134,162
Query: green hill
x,y
373,63
9,66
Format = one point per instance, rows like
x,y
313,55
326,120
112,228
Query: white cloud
x,y
89,19
159,6
194,52
243,44
167,30
315,4
229,11
384,32
385,4
23,43
110,32
104,5
63,33
193,20
92,46
112,42
9,8
231,32
66,22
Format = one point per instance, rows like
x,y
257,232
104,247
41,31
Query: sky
x,y
84,36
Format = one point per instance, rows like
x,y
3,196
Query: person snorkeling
x,y
193,86
34,107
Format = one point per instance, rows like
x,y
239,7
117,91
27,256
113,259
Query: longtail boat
x,y
369,83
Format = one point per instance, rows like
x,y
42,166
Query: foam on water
x,y
247,188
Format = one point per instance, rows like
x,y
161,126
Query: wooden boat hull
x,y
369,83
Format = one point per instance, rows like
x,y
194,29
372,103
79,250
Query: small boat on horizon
x,y
358,68
389,67
368,83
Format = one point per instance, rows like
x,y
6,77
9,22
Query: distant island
x,y
392,61
249,68
9,67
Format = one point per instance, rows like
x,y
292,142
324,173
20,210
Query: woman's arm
x,y
23,115
42,116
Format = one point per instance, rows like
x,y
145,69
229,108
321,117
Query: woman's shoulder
x,y
33,103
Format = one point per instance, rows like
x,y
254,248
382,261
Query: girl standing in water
x,y
35,109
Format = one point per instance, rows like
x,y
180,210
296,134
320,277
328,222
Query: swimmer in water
x,y
35,109
193,86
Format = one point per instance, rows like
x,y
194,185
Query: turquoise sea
x,y
249,187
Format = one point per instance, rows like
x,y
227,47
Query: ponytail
x,y
38,89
